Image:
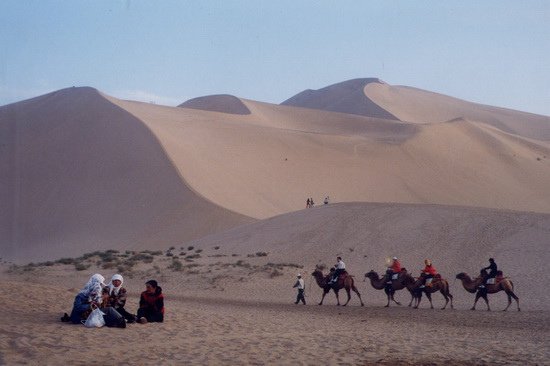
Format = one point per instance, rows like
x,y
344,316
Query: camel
x,y
404,280
438,284
472,286
343,282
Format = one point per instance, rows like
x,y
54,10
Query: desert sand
x,y
215,191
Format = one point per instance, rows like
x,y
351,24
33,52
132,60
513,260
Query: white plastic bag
x,y
95,319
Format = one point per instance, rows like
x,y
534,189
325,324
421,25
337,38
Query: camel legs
x,y
349,296
389,294
429,296
447,296
358,295
337,298
325,292
510,295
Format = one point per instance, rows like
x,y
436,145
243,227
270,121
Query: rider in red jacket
x,y
429,272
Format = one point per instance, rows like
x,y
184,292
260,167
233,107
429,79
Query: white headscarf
x,y
112,287
92,289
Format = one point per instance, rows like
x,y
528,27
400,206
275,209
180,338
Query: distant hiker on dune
x,y
308,203
326,200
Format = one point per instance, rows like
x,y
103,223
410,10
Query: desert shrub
x,y
261,254
66,260
216,247
156,252
171,248
49,263
108,265
241,263
79,266
190,247
183,253
234,255
169,254
193,256
176,265
198,251
250,255
142,257
275,273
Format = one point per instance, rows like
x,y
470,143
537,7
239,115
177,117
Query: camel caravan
x,y
429,282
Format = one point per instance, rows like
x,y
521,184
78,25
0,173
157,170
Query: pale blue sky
x,y
491,52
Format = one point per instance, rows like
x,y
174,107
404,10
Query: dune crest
x,y
421,106
217,103
344,97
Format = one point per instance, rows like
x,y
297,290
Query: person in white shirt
x,y
339,267
300,285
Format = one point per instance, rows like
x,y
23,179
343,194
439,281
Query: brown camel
x,y
345,282
472,286
438,284
404,280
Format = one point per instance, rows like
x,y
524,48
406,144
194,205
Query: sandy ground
x,y
239,310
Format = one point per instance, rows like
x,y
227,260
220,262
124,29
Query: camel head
x,y
371,274
317,272
462,276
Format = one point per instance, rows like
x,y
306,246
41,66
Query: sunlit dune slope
x,y
270,161
78,174
457,239
420,106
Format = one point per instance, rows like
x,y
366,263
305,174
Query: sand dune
x,y
345,97
80,173
268,162
420,106
85,170
218,103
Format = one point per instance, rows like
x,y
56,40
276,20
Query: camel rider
x,y
429,272
301,288
492,267
393,269
339,267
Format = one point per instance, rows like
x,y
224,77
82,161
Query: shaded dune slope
x,y
457,239
217,103
345,97
80,174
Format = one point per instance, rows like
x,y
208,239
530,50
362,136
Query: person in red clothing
x,y
151,304
428,272
393,269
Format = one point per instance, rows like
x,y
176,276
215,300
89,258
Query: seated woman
x,y
151,304
91,297
117,297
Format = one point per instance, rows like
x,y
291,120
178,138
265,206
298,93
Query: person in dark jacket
x,y
493,271
151,304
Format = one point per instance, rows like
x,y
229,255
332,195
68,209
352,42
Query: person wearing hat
x,y
89,298
428,272
300,285
393,269
117,297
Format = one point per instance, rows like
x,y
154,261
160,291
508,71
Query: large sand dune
x,y
84,171
80,174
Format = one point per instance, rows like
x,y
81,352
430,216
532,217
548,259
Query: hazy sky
x,y
491,52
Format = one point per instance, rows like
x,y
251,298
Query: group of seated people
x,y
111,299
